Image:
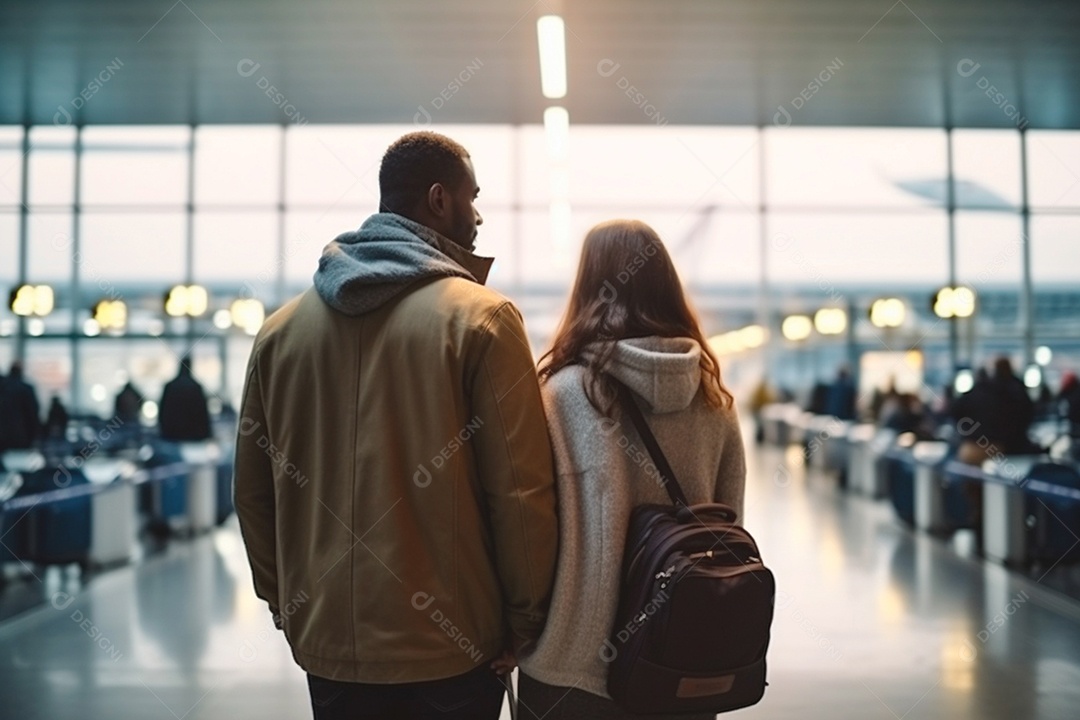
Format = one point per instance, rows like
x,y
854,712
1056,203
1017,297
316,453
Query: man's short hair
x,y
415,162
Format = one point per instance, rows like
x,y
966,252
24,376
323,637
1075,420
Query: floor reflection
x,y
872,621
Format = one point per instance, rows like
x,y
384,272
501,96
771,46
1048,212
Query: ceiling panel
x,y
827,62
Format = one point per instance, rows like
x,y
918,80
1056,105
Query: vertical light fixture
x,y
551,39
557,130
551,35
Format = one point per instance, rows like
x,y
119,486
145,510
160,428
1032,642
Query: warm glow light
x,y
753,336
891,605
736,341
797,327
953,302
830,321
31,300
557,130
958,656
888,313
248,315
198,300
191,300
111,315
964,300
551,35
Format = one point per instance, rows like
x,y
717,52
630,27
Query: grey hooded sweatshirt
x,y
603,472
361,270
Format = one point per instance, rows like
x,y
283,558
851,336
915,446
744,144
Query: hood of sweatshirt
x,y
362,269
666,372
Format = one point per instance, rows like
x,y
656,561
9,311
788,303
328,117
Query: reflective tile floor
x,y
872,622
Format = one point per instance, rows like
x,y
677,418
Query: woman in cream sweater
x,y
627,316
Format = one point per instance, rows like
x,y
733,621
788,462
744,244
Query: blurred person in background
x,y
20,413
907,414
993,417
884,402
840,402
128,405
1069,409
762,396
57,419
818,400
183,413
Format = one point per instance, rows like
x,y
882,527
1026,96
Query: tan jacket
x,y
394,482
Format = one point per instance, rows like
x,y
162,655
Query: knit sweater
x,y
602,475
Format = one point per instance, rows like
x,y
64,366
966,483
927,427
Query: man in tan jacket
x,y
394,478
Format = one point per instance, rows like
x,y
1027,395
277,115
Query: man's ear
x,y
437,199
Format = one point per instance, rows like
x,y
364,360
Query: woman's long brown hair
x,y
626,287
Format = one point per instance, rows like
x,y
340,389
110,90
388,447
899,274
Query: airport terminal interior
x,y
873,207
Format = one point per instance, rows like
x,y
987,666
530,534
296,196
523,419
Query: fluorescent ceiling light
x,y
557,129
551,33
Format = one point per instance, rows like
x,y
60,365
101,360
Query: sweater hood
x,y
664,371
362,269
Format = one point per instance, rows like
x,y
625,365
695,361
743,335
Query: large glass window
x,y
1053,169
986,168
52,166
855,167
123,166
666,169
989,250
1055,251
50,245
237,165
9,250
48,366
829,251
130,248
11,165
334,166
225,241
306,234
848,211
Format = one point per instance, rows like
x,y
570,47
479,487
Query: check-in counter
x,y
23,461
113,527
799,423
1004,528
859,461
10,484
896,469
930,485
782,423
774,424
835,447
202,484
1053,513
875,481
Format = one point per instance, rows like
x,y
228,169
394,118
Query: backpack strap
x,y
667,475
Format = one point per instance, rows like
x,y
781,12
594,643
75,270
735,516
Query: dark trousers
x,y
476,695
